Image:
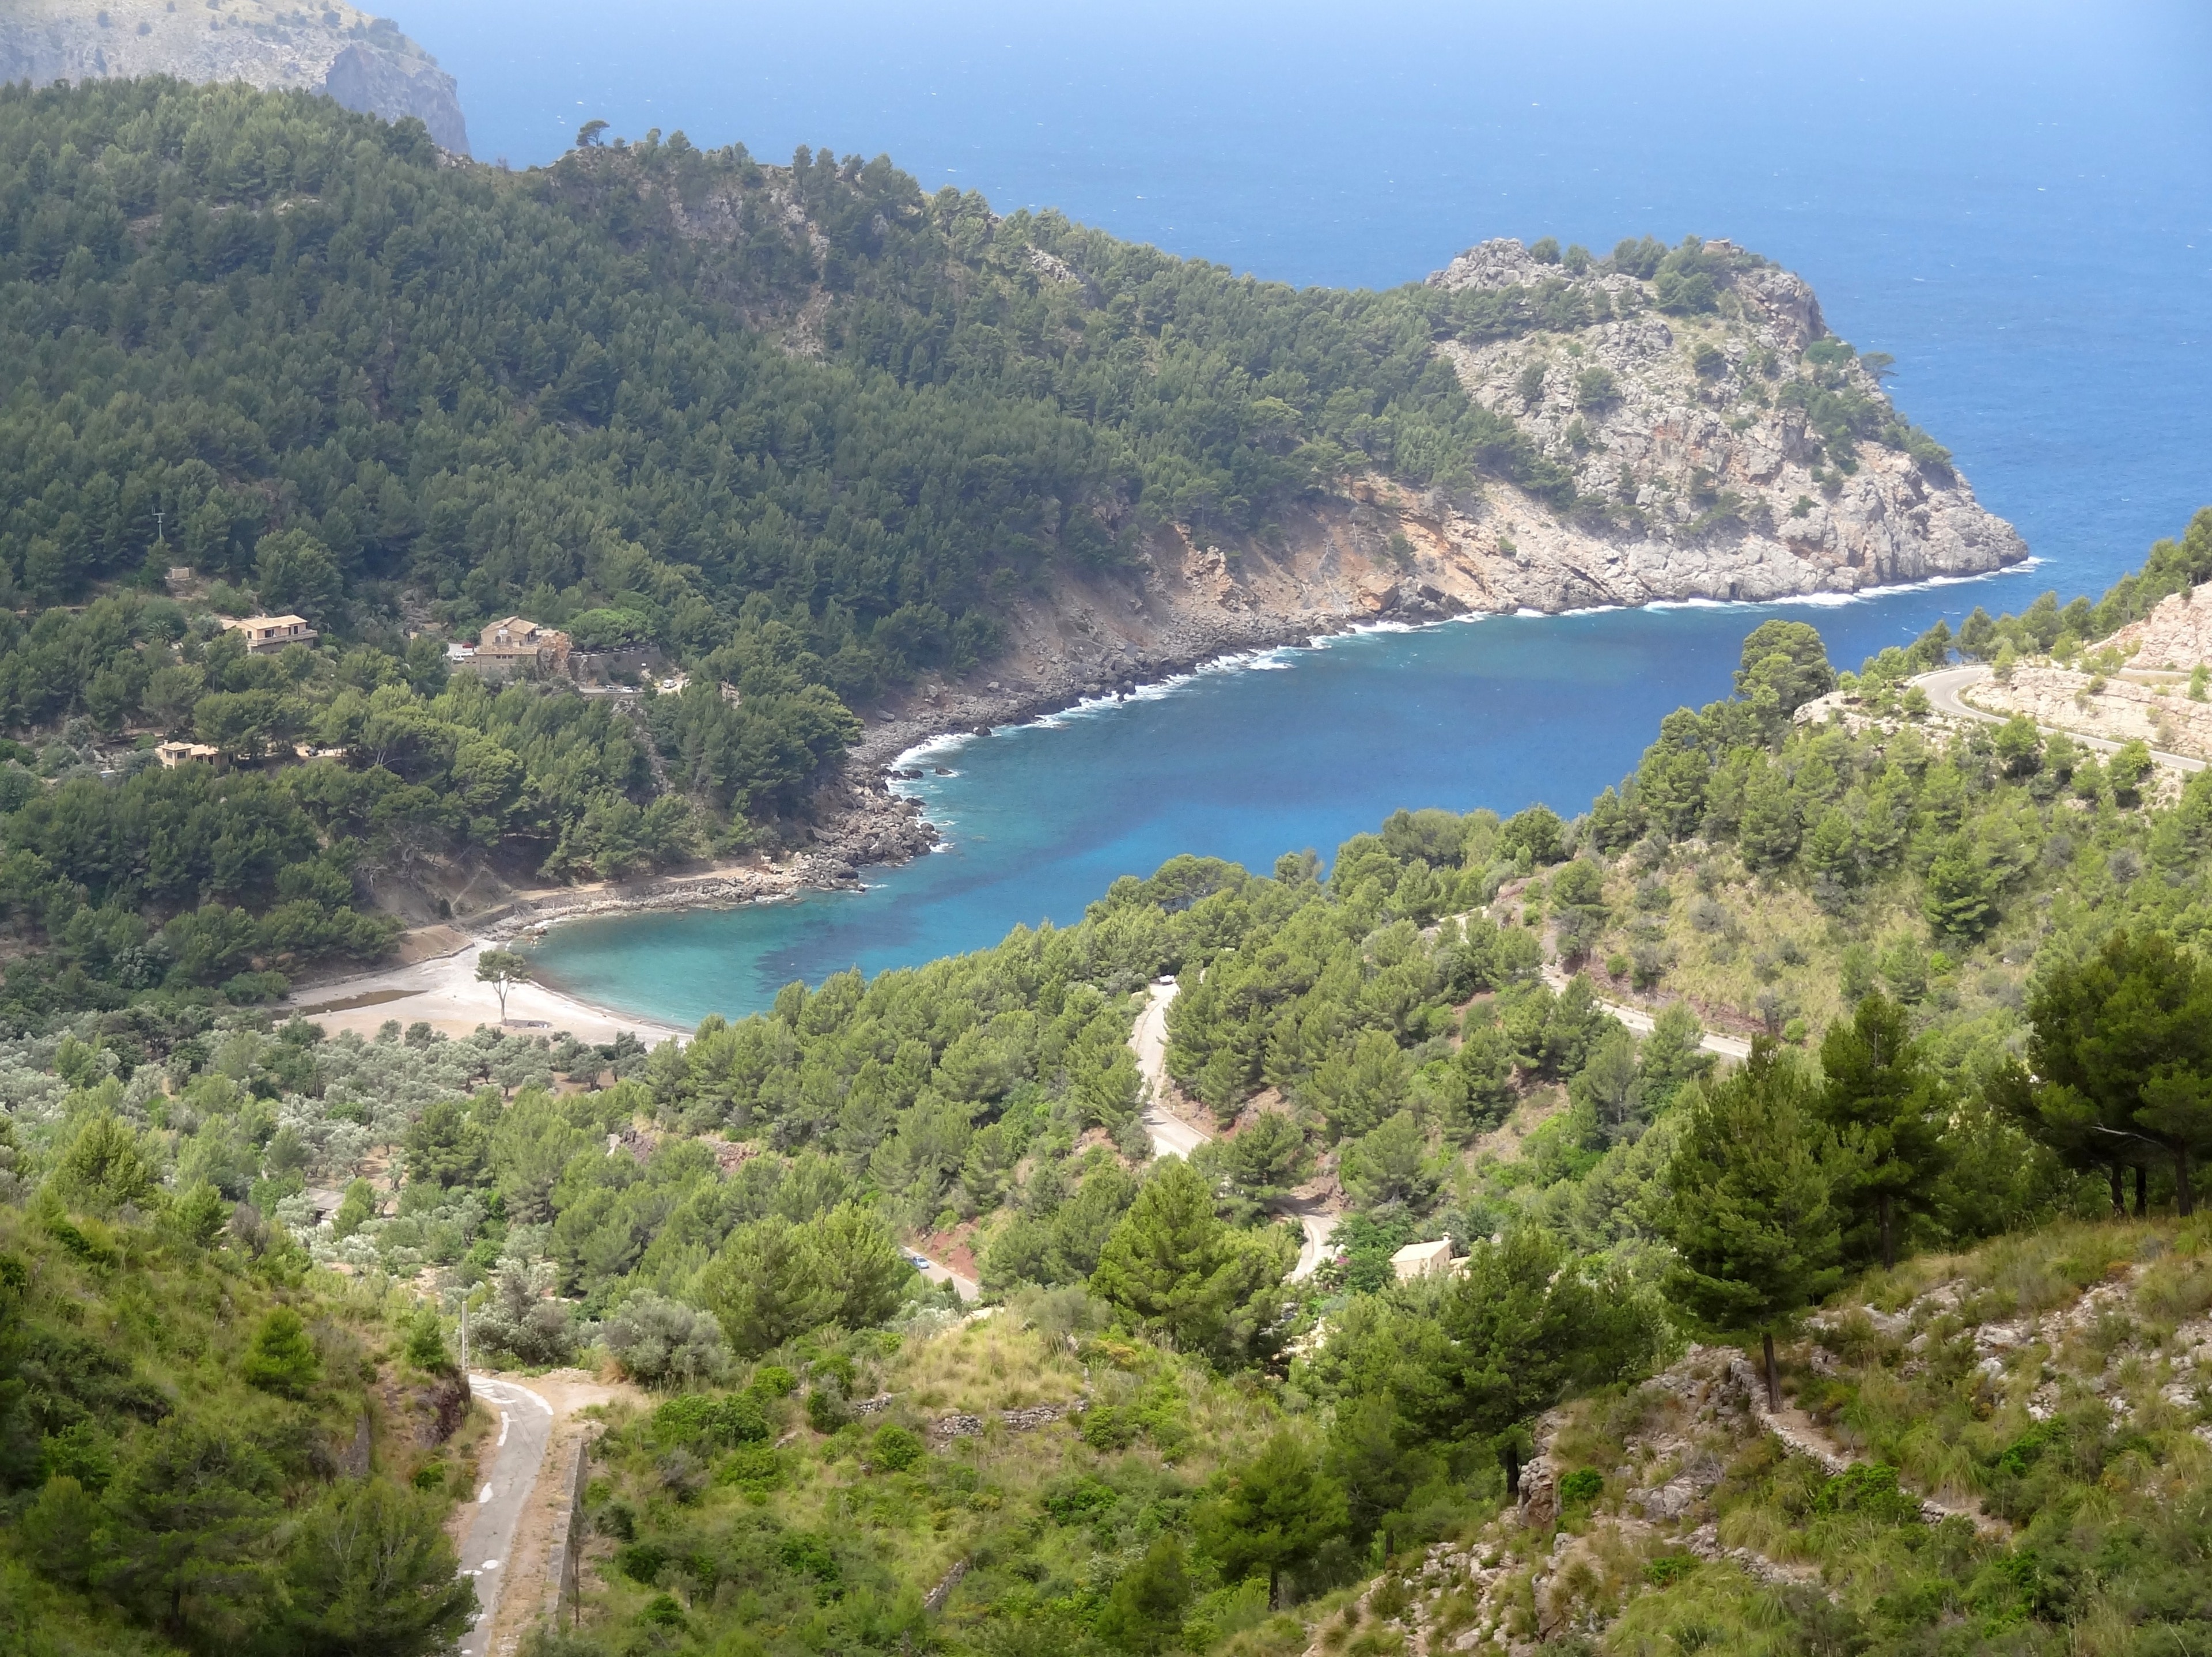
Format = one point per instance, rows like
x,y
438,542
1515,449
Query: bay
x,y
1300,748
2013,199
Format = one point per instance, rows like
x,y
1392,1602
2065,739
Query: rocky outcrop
x,y
2159,714
364,63
373,78
1709,460
1709,452
2176,636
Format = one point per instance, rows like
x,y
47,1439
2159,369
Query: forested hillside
x,y
198,1451
804,429
1972,956
257,314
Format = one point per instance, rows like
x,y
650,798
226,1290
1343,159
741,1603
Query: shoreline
x,y
885,744
877,824
442,991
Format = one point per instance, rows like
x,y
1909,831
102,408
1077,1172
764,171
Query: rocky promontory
x,y
364,63
1729,447
1723,445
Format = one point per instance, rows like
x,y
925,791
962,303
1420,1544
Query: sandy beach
x,y
442,991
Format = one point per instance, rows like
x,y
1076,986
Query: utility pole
x,y
465,1333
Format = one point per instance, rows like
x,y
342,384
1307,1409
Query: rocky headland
x,y
364,63
1697,471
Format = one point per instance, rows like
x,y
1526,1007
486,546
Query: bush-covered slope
x,y
804,428
1999,1451
255,313
199,1450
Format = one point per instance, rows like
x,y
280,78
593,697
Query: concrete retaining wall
x,y
565,1546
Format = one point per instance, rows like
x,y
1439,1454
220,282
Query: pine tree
x,y
1523,1326
2120,1049
1748,1209
1143,1614
1960,898
184,1542
282,1359
502,969
855,1265
1769,832
759,1287
357,1209
1886,1110
426,1341
104,1167
1672,1057
1276,1514
370,1568
1787,659
1375,1459
1172,1268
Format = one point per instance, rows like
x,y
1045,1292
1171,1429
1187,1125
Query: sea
x,y
2014,199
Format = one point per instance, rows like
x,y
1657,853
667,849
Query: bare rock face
x,y
370,77
2177,635
364,63
1731,449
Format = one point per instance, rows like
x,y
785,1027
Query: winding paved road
x,y
1944,687
1173,1137
1644,1023
937,1272
526,1427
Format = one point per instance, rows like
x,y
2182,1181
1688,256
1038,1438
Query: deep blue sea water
x,y
2014,199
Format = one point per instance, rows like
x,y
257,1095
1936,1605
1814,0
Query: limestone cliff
x,y
1733,449
364,63
1720,451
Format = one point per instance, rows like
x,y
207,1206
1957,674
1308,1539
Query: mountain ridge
x,y
362,61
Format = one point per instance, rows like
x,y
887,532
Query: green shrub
x,y
895,1448
1869,1490
756,1469
1665,1569
281,1360
772,1380
1106,1426
702,1419
1583,1484
641,1561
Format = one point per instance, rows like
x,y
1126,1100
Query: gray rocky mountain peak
x,y
364,63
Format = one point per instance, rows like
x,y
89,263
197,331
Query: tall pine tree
x,y
1274,1514
1172,1268
2121,1050
1748,1209
1886,1109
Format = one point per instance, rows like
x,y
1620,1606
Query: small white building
x,y
1425,1260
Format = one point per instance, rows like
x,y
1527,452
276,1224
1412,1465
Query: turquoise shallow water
x,y
2013,197
1305,748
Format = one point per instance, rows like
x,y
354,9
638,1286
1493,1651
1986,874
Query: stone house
x,y
515,648
173,755
266,635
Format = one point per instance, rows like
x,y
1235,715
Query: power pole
x,y
465,1333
